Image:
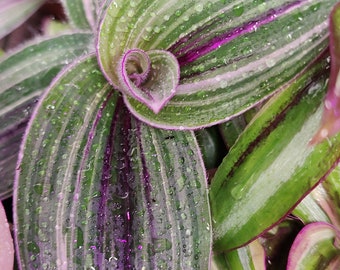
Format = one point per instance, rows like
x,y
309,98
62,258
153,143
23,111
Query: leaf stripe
x,y
186,56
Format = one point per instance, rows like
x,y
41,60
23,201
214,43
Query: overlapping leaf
x,y
79,13
231,55
272,164
250,257
99,189
315,247
313,207
14,13
24,74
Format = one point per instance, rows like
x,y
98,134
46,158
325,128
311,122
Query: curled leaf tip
x,y
150,77
330,123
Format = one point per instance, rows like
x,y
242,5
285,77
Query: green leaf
x,y
232,129
314,207
97,188
24,74
249,257
231,55
332,200
272,165
212,147
14,13
81,13
315,247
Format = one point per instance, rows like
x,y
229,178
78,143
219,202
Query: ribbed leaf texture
x,y
97,188
24,74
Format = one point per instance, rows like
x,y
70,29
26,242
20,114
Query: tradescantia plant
x,y
120,117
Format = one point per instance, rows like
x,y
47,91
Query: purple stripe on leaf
x,y
192,52
104,190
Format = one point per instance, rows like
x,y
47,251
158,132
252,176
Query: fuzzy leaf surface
x,y
97,188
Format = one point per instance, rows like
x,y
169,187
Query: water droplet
x,y
199,7
50,107
178,13
157,29
33,247
180,183
238,10
237,192
161,244
38,188
270,62
133,3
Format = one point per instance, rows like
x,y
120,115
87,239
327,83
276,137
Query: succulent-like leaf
x,y
97,188
315,247
272,166
24,74
15,12
231,55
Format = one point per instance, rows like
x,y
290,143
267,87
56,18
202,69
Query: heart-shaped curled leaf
x,y
229,61
150,77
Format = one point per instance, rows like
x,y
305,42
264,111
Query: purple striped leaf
x,y
96,188
231,55
315,247
24,74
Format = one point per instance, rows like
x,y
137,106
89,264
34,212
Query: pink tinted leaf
x,y
315,247
330,123
6,242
